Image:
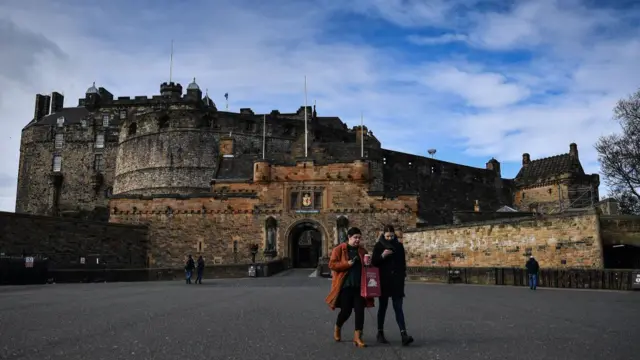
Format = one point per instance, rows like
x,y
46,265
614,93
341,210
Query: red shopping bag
x,y
370,284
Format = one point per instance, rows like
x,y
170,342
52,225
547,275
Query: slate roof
x,y
71,116
545,168
236,168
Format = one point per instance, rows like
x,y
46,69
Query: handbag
x,y
370,282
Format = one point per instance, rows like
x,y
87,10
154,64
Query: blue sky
x,y
474,79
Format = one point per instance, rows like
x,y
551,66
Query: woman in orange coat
x,y
346,264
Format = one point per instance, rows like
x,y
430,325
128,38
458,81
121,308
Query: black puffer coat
x,y
393,268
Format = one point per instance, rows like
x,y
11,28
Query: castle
x,y
215,182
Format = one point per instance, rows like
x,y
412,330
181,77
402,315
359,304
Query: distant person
x,y
347,266
532,270
389,257
200,269
188,268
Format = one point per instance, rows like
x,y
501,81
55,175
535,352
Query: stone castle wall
x,y
620,230
556,241
237,213
37,193
64,241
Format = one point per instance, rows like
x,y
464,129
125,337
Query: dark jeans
x,y
188,276
533,281
350,300
397,308
199,278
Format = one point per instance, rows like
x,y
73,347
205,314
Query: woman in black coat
x,y
389,257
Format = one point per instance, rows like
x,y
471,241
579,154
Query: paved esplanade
x,y
285,317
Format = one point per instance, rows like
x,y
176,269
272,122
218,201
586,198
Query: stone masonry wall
x,y
543,198
210,224
620,230
561,241
35,194
64,241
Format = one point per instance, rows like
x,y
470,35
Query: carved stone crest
x,y
306,199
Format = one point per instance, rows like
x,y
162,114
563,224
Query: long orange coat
x,y
339,264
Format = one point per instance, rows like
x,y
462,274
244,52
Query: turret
x,y
193,91
171,89
92,97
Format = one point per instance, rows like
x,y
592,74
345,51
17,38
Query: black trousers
x,y
350,300
383,302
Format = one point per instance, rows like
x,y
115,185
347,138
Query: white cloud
x,y
438,40
479,89
581,62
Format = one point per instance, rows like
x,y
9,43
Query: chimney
x,y
41,108
573,150
494,165
57,102
476,206
526,159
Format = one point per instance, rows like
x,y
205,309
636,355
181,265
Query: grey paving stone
x,y
285,317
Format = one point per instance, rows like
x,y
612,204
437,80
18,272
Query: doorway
x,y
305,241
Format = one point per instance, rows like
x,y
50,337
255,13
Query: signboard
x,y
635,280
82,261
311,211
28,262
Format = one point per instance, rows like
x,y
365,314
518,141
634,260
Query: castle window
x,y
133,128
98,163
57,163
123,114
105,120
317,201
163,122
60,121
99,141
294,200
59,141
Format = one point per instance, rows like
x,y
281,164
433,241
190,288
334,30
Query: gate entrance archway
x,y
305,244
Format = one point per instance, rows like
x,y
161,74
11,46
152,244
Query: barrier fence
x,y
18,270
607,279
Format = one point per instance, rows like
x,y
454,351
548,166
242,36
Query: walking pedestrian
x,y
200,269
532,271
389,257
346,263
188,268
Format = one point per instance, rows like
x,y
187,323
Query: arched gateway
x,y
306,239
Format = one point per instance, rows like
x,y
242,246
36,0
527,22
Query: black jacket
x,y
393,268
532,266
190,265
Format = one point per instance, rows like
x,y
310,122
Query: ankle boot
x,y
357,339
406,339
337,334
380,337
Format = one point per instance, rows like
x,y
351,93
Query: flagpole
x,y
305,116
171,64
361,135
264,135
